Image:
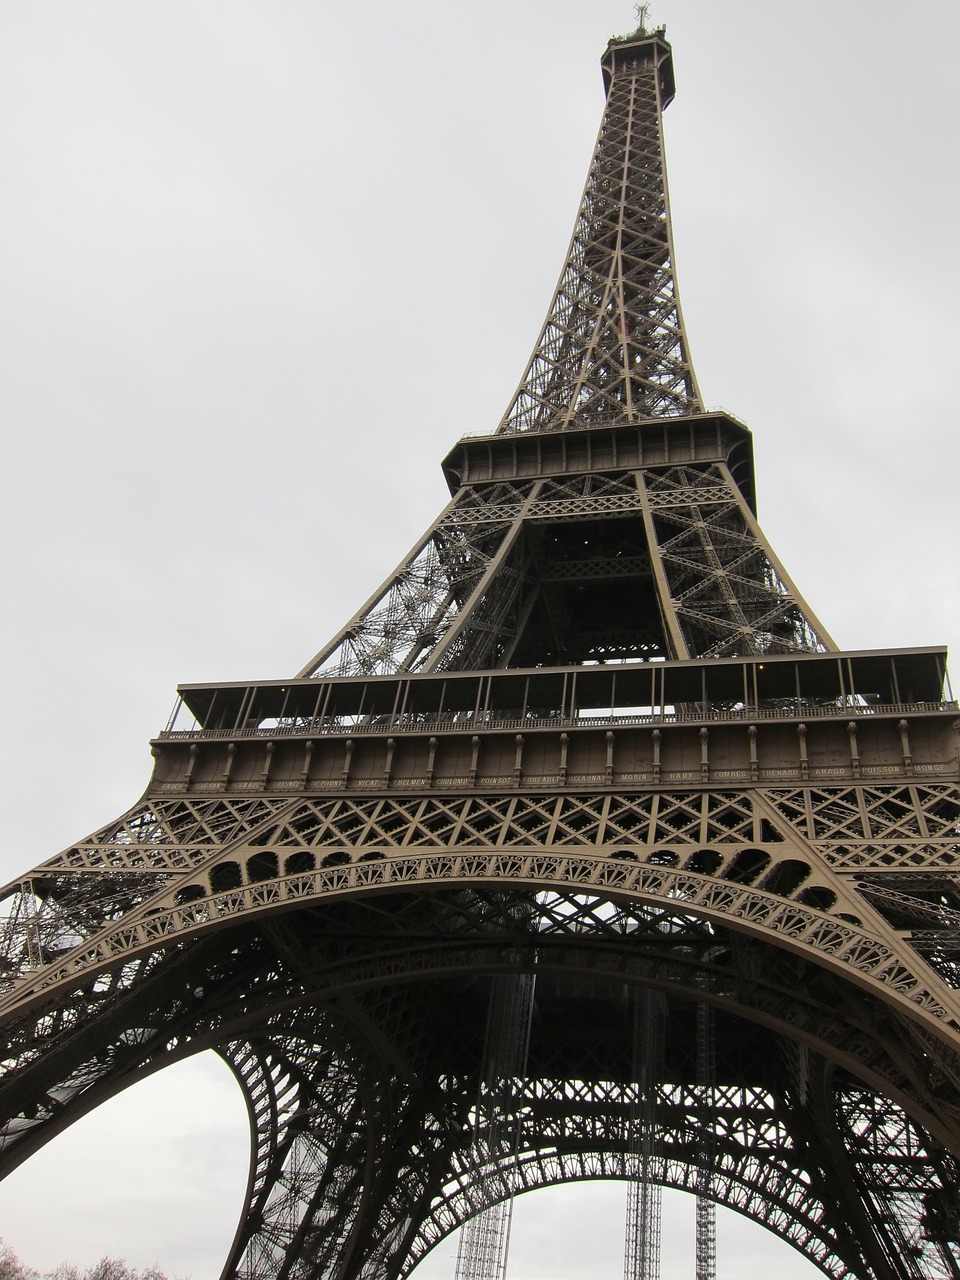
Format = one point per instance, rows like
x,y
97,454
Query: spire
x,y
613,345
642,14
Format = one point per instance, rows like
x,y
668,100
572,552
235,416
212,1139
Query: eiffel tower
x,y
588,732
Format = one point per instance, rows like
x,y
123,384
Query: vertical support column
x,y
485,1238
642,1245
706,1254
676,640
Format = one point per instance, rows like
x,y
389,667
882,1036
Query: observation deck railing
x,y
585,718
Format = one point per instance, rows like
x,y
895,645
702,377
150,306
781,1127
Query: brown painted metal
x,y
613,341
590,731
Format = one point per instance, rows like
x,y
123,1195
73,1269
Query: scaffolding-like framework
x,y
644,1200
485,1239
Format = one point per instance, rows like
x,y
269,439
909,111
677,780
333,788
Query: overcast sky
x,y
262,263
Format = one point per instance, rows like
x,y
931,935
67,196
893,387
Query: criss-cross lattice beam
x,y
311,1141
723,592
91,915
462,599
782,1168
452,568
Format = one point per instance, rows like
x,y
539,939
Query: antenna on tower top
x,y
642,14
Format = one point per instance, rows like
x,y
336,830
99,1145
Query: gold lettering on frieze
x,y
779,773
729,773
930,768
173,786
824,772
586,777
238,786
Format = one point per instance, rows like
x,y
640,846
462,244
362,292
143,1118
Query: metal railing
x,y
583,719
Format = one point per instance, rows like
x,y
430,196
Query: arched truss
x,y
755,1176
91,926
768,1147
169,870
339,1018
326,945
811,1158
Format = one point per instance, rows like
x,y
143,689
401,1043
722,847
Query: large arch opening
x,y
575,1232
155,1175
371,968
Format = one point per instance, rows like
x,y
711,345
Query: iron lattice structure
x,y
590,733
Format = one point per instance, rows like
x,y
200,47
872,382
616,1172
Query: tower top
x,y
641,46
